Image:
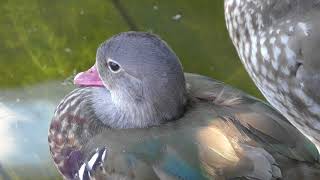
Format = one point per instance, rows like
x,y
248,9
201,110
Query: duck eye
x,y
113,66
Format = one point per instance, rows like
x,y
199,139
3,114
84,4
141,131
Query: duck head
x,y
142,80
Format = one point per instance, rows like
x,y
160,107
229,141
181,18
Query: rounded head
x,y
143,74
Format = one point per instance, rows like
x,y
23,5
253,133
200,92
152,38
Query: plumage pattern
x,y
278,42
224,134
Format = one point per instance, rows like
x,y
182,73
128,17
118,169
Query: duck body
x,y
278,43
223,134
136,115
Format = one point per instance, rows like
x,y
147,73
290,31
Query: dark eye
x,y
114,67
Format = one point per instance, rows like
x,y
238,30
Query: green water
x,y
48,41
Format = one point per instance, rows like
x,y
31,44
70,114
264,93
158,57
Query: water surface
x,y
45,42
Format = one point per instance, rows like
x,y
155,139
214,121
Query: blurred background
x,y
44,43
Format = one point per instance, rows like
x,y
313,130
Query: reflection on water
x,y
25,114
50,40
25,128
8,142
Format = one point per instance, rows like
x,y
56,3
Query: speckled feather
x,y
278,43
74,122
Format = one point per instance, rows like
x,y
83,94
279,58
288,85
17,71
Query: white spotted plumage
x,y
275,58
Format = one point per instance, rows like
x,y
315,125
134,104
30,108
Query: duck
x,y
136,115
278,43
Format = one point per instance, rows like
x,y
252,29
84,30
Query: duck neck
x,y
117,111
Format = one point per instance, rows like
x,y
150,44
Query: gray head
x,y
144,77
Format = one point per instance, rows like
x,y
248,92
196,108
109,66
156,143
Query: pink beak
x,y
88,78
